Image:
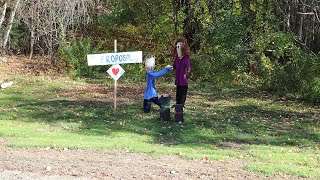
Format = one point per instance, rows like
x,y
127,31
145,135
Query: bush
x,y
313,94
221,58
201,68
283,67
278,61
221,67
134,72
75,54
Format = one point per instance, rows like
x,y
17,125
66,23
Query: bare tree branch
x,y
51,20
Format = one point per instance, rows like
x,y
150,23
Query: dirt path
x,y
74,164
47,163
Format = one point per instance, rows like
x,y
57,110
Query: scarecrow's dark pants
x,y
147,103
181,94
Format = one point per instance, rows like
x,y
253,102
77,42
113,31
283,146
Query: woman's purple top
x,y
180,66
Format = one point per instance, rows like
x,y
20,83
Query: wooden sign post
x,y
114,59
115,81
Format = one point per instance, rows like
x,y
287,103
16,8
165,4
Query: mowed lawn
x,y
271,134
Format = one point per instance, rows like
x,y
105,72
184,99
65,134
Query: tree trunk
x,y
175,14
288,25
31,42
300,30
188,29
8,29
3,14
31,32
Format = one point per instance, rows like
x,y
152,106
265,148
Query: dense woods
x,y
269,44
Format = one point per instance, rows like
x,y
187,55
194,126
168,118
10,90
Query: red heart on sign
x,y
115,71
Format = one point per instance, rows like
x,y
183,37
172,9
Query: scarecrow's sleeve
x,y
156,74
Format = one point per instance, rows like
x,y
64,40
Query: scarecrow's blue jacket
x,y
151,76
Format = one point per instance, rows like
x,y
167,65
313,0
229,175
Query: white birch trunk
x,y
3,14
8,29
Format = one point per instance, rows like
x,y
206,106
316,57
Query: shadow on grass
x,y
255,124
225,117
243,123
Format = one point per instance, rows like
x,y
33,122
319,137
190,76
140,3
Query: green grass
x,y
222,123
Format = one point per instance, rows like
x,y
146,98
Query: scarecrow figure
x,y
181,67
150,94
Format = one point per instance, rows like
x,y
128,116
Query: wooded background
x,y
270,44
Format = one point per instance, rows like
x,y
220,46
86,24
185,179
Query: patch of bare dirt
x,y
114,164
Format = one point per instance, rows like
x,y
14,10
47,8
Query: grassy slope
x,y
273,135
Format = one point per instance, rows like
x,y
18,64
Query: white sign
x,y
114,58
115,71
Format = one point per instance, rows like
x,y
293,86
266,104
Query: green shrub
x,y
283,67
134,72
201,68
222,58
313,94
277,59
75,54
